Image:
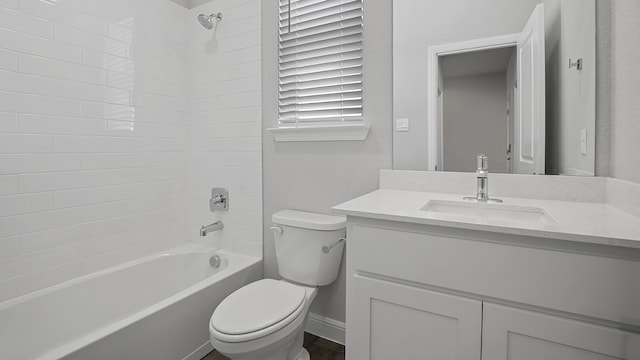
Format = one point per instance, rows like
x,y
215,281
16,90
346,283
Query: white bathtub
x,y
155,308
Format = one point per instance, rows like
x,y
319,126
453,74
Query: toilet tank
x,y
300,238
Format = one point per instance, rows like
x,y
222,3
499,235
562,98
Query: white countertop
x,y
585,222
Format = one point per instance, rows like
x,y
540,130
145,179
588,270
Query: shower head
x,y
208,21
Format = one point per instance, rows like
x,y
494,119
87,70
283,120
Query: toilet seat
x,y
256,310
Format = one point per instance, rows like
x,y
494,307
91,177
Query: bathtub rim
x,y
180,249
236,262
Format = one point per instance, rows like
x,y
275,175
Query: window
x,y
320,70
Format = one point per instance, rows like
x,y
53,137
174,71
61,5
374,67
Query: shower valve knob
x,y
219,199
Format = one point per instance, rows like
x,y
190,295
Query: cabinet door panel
x,y
395,321
515,334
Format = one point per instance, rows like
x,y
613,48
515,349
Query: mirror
x,y
466,81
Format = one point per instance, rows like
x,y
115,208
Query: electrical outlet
x,y
583,141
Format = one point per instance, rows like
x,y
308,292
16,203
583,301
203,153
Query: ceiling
x,y
189,4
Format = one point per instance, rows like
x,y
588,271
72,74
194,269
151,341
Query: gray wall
x,y
475,120
625,90
603,87
570,94
314,176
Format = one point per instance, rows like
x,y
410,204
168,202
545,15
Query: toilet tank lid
x,y
307,220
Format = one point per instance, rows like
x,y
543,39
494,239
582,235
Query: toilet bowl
x,y
237,332
266,319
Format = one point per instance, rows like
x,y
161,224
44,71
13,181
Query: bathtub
x,y
157,307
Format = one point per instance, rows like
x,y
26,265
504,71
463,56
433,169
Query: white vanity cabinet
x,y
514,334
426,292
396,321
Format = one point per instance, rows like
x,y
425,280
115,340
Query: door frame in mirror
x,y
434,133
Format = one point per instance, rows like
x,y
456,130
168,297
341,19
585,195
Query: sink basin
x,y
503,214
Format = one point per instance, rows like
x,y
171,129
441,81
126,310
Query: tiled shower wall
x,y
225,146
96,152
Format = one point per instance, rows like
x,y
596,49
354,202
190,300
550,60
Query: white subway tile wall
x,y
225,136
117,117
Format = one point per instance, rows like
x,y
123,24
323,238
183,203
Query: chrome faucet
x,y
218,225
219,199
482,176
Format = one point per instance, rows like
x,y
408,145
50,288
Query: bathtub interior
x,y
69,315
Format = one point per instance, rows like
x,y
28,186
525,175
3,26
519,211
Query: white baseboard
x,y
327,328
200,352
321,326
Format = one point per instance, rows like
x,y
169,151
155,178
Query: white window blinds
x,y
320,63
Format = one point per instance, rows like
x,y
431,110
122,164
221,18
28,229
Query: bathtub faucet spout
x,y
218,225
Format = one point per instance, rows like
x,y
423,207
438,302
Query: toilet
x,y
265,320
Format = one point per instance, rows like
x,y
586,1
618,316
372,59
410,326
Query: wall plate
x,y
219,199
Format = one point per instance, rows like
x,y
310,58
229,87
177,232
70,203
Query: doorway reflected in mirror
x,y
548,114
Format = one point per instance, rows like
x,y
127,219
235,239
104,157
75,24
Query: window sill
x,y
321,133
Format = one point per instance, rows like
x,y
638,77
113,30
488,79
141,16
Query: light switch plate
x,y
402,124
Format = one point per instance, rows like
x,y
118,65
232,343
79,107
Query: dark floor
x,y
318,348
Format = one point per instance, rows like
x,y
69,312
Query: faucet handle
x,y
482,162
219,199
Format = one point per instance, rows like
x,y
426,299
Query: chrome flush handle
x,y
277,230
326,249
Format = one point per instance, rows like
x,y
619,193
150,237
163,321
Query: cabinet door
x,y
515,334
395,321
